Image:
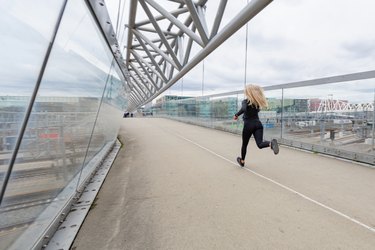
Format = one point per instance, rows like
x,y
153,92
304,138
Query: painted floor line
x,y
284,187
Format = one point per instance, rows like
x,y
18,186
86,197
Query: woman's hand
x,y
235,117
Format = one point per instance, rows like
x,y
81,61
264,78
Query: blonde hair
x,y
255,96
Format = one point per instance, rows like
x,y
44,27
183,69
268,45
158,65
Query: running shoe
x,y
240,162
275,146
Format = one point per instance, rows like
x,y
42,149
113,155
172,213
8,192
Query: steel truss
x,y
337,106
159,49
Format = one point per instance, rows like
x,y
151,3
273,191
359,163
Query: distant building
x,y
224,107
314,104
167,98
301,105
168,105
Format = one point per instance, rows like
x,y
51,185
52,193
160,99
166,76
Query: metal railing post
x,y
373,124
282,114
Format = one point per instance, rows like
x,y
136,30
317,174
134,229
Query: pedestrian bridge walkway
x,y
178,186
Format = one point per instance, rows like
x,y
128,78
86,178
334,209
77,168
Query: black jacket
x,y
249,112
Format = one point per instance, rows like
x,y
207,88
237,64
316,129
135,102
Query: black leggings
x,y
253,127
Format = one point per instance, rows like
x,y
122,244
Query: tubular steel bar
x,y
218,18
197,21
320,81
164,55
250,11
160,32
100,14
175,21
132,14
161,17
161,52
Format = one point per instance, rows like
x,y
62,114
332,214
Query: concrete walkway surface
x,y
177,186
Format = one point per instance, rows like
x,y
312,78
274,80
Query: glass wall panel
x,y
217,112
222,110
338,116
26,29
271,117
52,152
336,119
109,118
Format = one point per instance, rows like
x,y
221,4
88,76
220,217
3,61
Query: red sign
x,y
49,136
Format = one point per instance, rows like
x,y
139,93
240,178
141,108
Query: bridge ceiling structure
x,y
159,48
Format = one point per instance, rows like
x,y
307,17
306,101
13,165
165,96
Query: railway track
x,y
6,230
18,212
27,200
19,174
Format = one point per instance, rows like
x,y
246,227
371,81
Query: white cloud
x,y
294,41
290,40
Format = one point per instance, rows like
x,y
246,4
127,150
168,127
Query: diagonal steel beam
x,y
141,62
149,50
177,1
165,69
218,18
201,13
136,101
138,85
250,11
135,97
165,32
131,102
136,91
155,41
180,48
176,22
151,58
138,98
197,20
165,56
132,14
188,49
161,17
160,32
142,77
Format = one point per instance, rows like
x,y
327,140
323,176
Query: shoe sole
x,y
275,146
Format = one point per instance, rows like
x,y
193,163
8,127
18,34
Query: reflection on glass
x,y
25,31
109,117
56,139
335,115
272,116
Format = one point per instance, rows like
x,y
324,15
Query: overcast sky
x,y
290,40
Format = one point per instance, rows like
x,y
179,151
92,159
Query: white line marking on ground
x,y
284,187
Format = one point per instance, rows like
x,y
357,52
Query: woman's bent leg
x,y
258,135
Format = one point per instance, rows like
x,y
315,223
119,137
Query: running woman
x,y
255,100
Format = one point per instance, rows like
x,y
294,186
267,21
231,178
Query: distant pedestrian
x,y
255,100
